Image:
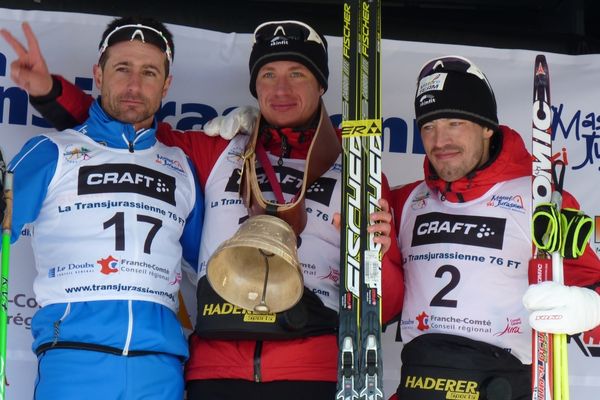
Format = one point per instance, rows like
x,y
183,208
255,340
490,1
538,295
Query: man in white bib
x,y
113,212
464,235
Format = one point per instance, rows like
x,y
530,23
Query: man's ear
x,y
167,85
487,132
97,76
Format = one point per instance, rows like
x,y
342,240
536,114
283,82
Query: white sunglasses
x,y
138,33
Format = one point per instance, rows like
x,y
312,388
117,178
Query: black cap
x,y
289,41
454,87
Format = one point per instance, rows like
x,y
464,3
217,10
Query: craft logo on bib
x,y
472,230
126,178
290,180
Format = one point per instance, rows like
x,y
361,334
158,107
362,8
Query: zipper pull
x,y
56,332
284,149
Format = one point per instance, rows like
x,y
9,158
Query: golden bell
x,y
258,268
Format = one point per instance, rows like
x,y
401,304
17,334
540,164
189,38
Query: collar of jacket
x,y
106,130
287,142
509,161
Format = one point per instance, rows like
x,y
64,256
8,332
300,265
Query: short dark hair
x,y
135,20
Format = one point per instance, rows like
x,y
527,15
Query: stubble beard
x,y
130,114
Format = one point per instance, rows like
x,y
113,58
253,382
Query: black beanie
x,y
454,87
289,41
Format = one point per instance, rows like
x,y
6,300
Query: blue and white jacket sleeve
x,y
192,231
33,168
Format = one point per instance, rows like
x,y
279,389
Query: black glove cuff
x,y
55,93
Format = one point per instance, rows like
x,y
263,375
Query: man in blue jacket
x,y
113,212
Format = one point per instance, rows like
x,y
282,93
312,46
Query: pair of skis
x,y
360,366
549,352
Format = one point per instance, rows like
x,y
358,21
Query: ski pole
x,y
560,356
6,232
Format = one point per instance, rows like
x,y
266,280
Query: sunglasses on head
x,y
290,30
146,34
455,64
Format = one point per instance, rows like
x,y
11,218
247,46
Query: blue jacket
x,y
121,325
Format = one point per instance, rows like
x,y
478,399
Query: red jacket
x,y
511,160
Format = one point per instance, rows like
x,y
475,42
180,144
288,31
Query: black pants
x,y
236,389
438,367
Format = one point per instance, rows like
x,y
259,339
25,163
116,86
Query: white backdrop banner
x,y
211,75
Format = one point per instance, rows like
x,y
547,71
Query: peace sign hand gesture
x,y
29,70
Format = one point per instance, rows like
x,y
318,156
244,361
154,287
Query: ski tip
x,y
541,66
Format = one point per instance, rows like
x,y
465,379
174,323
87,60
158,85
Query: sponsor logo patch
x,y
426,100
508,202
454,388
74,154
170,163
432,82
470,230
290,181
126,178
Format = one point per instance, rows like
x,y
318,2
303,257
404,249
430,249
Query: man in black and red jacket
x,y
464,232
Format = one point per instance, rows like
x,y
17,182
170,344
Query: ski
x,y
540,266
350,217
370,369
360,365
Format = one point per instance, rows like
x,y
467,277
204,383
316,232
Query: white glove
x,y
557,308
241,119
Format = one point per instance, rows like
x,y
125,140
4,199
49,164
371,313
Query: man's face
x,y
455,146
132,82
288,93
